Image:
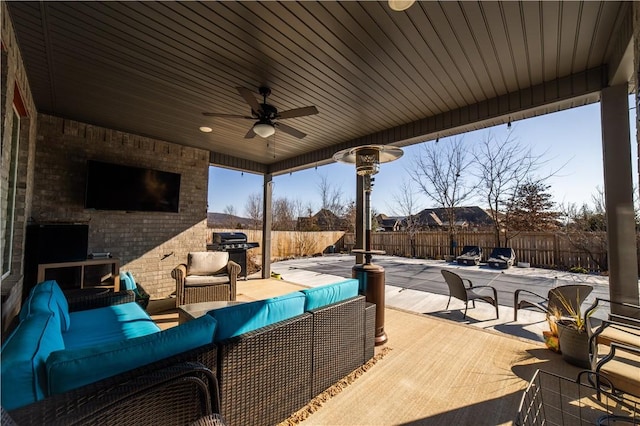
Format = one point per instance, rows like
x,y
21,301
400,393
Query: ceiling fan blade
x,y
298,112
249,98
220,115
250,134
290,130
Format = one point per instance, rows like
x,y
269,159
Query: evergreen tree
x,y
530,209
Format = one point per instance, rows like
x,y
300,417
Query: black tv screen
x,y
117,187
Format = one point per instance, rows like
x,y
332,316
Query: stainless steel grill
x,y
235,243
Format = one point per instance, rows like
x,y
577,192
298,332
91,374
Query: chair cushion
x,y
329,294
207,262
23,371
235,320
45,297
109,324
71,369
203,280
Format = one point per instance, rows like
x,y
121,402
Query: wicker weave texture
x,y
177,395
338,342
95,301
208,293
370,331
265,375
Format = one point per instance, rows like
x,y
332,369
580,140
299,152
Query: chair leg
x,y
448,301
466,304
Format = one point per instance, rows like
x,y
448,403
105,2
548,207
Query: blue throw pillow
x,y
127,282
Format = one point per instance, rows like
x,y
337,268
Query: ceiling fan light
x,y
205,129
400,5
264,130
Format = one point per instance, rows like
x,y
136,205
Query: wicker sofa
x,y
265,372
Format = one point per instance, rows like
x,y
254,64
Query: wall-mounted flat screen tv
x,y
117,187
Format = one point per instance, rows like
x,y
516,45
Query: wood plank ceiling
x,y
376,76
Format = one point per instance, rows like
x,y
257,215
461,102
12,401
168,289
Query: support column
x,y
267,221
618,189
359,218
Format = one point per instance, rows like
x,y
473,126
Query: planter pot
x,y
574,345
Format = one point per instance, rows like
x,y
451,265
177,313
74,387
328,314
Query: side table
x,y
196,310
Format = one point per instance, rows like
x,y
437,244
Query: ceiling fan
x,y
267,115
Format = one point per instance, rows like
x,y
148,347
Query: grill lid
x,y
229,237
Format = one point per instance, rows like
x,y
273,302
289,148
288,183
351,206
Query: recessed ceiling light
x,y
205,129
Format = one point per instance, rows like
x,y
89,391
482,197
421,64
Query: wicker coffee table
x,y
196,310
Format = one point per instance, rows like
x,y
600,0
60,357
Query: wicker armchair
x,y
206,277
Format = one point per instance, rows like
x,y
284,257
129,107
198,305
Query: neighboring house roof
x,y
473,215
325,220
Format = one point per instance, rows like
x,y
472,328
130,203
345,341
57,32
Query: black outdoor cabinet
x,y
51,243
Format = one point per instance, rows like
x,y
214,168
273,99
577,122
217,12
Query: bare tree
x,y
230,211
407,208
350,216
253,210
286,213
586,230
333,206
441,171
586,227
502,168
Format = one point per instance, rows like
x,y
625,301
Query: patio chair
x,y
572,294
470,256
501,257
458,290
206,277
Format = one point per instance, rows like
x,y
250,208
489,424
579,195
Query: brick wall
x,y
13,76
149,244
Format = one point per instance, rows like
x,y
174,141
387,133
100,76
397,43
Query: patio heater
x,y
367,159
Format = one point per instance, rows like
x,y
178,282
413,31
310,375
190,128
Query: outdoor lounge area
x,y
113,115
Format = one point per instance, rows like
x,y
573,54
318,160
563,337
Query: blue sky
x,y
572,137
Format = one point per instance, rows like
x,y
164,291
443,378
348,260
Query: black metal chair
x,y
573,295
458,290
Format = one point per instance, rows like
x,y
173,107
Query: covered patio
x,y
128,83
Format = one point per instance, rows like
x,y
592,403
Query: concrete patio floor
x,y
416,285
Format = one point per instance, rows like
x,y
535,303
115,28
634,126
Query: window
x,y
10,200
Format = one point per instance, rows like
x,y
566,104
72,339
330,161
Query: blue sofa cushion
x,y
328,294
235,320
109,324
71,369
41,298
23,376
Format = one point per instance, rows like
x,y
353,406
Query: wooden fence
x,y
286,244
542,249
